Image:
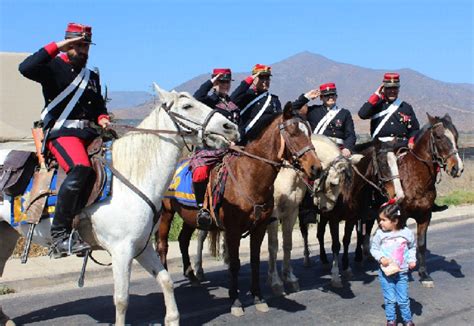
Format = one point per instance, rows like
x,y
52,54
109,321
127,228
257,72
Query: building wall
x,y
21,99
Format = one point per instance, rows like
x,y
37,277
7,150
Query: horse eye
x,y
187,106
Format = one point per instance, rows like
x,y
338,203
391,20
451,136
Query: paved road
x,y
450,302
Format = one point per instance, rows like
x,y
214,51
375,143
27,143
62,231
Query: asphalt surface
x,y
359,302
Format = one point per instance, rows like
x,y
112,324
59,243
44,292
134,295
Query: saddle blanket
x,y
18,203
181,187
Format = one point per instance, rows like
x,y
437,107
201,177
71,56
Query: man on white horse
x,y
73,100
204,159
329,120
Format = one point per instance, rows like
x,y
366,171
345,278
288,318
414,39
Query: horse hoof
x,y
427,283
261,305
278,290
294,286
200,275
192,278
237,311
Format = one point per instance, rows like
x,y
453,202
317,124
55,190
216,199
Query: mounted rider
x,y
330,120
257,105
204,159
73,101
393,121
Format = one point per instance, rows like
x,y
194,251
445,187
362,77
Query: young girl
x,y
393,246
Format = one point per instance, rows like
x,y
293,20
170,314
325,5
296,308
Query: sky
x,y
169,42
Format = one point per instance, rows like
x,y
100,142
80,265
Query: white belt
x,y
338,141
78,124
386,139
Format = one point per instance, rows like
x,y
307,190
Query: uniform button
x,y
88,87
49,100
89,102
72,69
391,123
392,135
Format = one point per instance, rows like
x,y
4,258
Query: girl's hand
x,y
384,261
412,265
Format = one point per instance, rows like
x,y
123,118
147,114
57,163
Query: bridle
x,y
320,186
436,157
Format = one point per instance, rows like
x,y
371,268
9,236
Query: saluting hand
x,y
313,94
379,90
215,79
66,44
104,123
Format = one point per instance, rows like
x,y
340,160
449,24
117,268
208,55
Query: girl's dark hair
x,y
392,212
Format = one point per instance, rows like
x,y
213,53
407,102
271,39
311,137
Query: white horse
x,y
123,223
288,194
289,190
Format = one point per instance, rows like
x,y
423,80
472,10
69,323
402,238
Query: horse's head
x,y
337,174
444,138
204,125
296,143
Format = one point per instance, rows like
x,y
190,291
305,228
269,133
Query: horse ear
x,y
447,117
355,158
431,119
288,110
162,94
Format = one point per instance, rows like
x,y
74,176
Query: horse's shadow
x,y
439,263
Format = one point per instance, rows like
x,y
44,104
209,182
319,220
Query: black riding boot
x,y
204,220
72,197
307,210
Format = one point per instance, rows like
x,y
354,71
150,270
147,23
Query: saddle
x,y
41,187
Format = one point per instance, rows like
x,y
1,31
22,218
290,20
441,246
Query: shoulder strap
x,y
67,111
388,113
68,90
259,114
252,102
324,122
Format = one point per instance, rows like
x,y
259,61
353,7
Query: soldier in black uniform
x,y
392,120
204,159
257,105
73,100
328,120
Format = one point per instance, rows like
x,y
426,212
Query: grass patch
x,y
5,290
176,226
456,197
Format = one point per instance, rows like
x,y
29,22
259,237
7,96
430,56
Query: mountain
x,y
120,100
304,71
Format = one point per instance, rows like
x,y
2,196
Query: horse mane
x,y
364,147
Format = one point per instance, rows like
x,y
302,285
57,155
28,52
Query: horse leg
x,y
287,273
121,268
336,248
152,265
256,238
422,229
346,241
198,263
304,234
233,243
273,278
162,233
320,235
184,238
8,239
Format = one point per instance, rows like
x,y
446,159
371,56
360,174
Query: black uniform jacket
x,y
223,104
242,96
55,73
402,124
341,126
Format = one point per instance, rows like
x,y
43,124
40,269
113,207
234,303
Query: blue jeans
x,y
395,290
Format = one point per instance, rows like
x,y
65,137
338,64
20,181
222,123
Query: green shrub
x,y
456,197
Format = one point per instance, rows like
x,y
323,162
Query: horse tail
x,y
214,239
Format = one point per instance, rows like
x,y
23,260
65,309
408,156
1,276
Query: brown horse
x,y
248,198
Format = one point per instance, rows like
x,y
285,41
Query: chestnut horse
x,y
248,198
